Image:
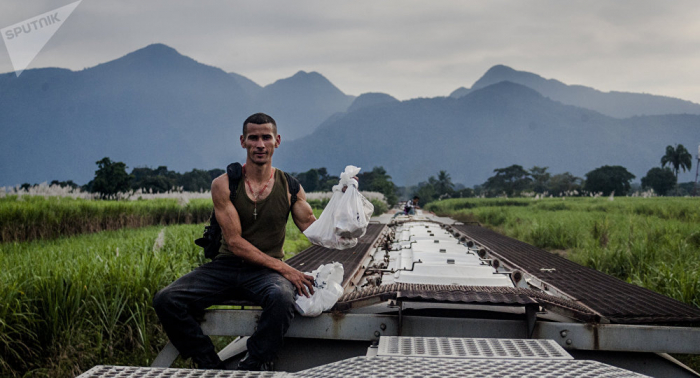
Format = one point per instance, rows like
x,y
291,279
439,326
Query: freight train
x,y
432,297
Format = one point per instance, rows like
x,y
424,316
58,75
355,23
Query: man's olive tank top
x,y
267,232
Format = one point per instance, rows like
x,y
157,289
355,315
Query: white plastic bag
x,y
323,226
346,216
322,231
327,290
351,219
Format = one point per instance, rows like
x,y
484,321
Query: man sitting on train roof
x,y
249,265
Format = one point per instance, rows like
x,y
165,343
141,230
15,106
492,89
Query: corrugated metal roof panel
x,y
351,258
617,300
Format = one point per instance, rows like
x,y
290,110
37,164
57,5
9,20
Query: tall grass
x,y
70,303
651,242
37,217
45,190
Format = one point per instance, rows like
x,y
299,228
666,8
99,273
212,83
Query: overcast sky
x,y
405,48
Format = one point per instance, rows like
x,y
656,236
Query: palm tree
x,y
444,183
677,157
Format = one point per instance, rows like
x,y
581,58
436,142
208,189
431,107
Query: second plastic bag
x,y
327,290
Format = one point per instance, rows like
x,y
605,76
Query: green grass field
x,y
651,242
70,303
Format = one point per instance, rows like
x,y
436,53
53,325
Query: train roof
x,y
420,290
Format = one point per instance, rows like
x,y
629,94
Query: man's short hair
x,y
416,197
259,119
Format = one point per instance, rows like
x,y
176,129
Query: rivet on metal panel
x,y
382,326
376,334
563,333
568,342
517,276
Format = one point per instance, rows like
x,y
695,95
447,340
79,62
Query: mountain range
x,y
155,107
151,107
614,104
493,127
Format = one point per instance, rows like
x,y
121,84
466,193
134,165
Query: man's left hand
x,y
303,282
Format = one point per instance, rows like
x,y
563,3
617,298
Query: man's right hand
x,y
303,282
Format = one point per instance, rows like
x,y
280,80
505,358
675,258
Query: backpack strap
x,y
234,172
211,240
294,186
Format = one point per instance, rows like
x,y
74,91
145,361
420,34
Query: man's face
x,y
260,142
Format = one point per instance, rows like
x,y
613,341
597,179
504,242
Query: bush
x,y
379,207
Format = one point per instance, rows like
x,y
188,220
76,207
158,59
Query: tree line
x,y
111,177
516,181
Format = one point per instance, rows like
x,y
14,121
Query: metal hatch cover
x,y
480,348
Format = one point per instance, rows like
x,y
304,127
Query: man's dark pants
x,y
179,304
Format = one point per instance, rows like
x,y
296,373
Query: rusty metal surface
x,y
461,294
616,300
351,258
315,256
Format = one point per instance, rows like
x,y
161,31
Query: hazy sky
x,y
405,48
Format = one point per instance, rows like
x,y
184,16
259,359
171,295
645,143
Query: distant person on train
x,y
410,208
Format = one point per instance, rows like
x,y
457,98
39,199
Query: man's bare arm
x,y
302,214
227,216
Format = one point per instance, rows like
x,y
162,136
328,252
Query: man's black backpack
x,y
211,240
